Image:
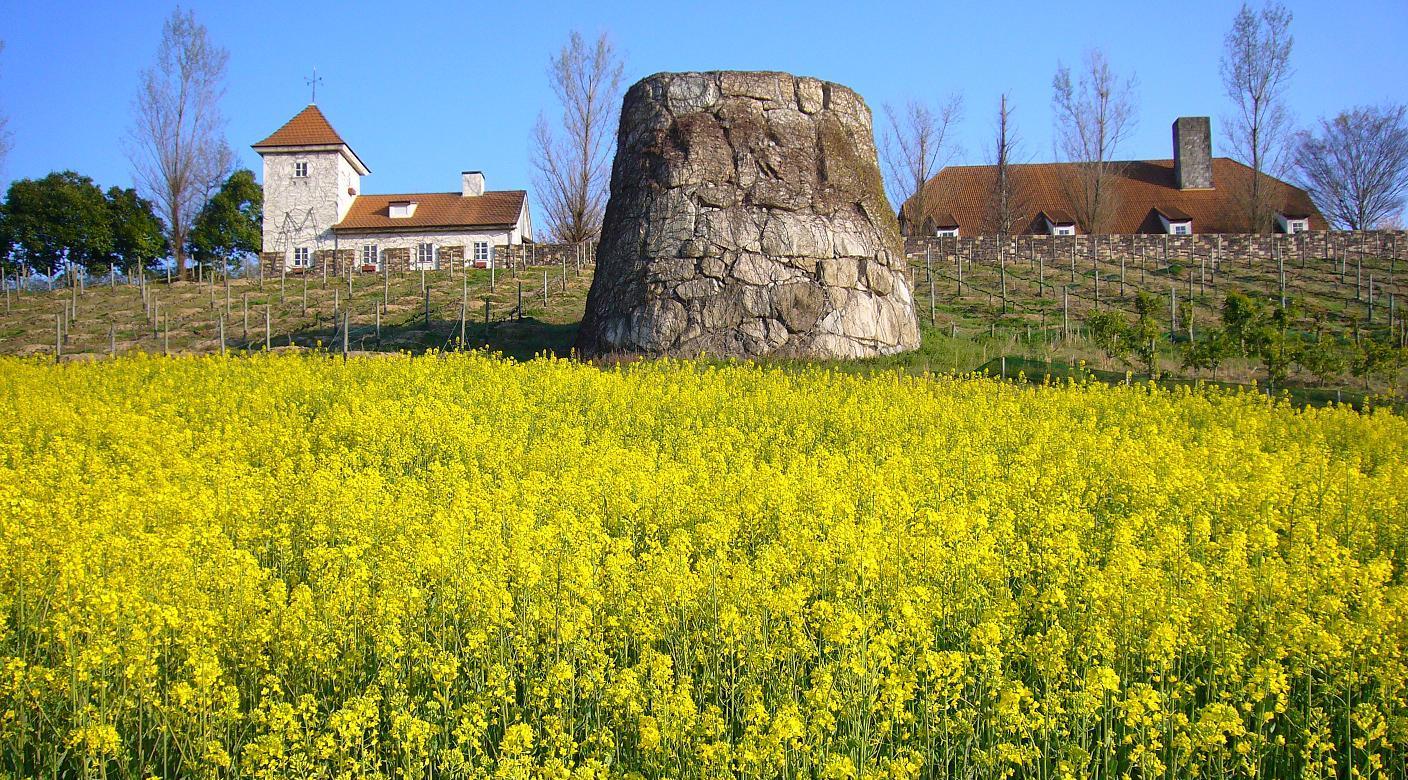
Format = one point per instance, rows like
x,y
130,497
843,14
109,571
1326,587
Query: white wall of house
x,y
523,231
349,186
299,211
1176,227
410,241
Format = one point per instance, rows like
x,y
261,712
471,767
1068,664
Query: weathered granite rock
x,y
747,218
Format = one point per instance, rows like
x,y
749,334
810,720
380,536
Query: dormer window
x,y
401,209
300,169
941,225
1175,221
1293,222
1058,223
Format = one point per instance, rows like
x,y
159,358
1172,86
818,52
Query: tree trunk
x,y
177,237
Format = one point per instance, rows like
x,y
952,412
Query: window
x,y
300,257
425,255
1292,224
300,170
1180,229
946,232
369,254
481,251
1063,230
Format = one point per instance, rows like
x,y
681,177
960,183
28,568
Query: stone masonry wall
x,y
1210,246
523,255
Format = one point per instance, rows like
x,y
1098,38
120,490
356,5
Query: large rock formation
x,y
747,217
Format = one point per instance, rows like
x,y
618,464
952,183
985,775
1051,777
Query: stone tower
x,y
1192,153
747,217
311,177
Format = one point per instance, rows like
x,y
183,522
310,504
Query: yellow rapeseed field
x,y
456,566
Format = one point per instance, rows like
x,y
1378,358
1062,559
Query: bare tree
x,y
573,160
1095,113
1356,166
4,131
1007,199
177,144
915,146
1256,66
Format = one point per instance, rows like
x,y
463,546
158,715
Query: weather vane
x,y
313,82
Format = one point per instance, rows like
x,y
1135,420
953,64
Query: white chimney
x,y
471,183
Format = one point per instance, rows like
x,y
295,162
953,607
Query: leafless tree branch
x,y
1356,166
573,159
1094,113
1008,201
1256,66
5,142
915,145
177,145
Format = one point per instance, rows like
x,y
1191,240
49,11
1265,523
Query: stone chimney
x,y
471,183
1192,153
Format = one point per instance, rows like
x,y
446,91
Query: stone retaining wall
x,y
1214,246
398,259
545,254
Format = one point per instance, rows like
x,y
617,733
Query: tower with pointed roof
x,y
311,178
315,212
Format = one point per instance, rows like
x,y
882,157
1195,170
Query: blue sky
x,y
423,91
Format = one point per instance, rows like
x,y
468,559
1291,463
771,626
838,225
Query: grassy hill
x,y
381,313
1026,313
1034,289
1033,307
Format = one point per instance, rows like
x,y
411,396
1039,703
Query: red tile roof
x,y
962,192
1173,213
308,128
434,211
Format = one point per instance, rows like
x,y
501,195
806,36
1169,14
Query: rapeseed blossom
x,y
460,566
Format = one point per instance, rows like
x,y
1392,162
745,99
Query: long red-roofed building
x,y
314,204
1192,193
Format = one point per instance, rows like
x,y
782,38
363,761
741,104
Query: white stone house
x,y
315,212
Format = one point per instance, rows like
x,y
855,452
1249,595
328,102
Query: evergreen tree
x,y
138,235
1145,333
58,222
229,228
